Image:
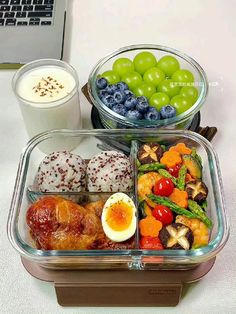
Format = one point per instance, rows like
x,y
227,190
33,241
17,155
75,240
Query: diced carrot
x,y
149,226
171,158
181,148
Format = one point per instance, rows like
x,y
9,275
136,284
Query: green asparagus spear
x,y
174,207
181,178
151,167
166,174
197,210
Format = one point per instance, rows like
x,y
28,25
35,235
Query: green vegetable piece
x,y
204,205
194,151
141,209
174,207
197,210
166,174
163,147
193,166
199,159
151,167
181,178
196,156
138,163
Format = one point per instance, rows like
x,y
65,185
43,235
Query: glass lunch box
x,y
92,142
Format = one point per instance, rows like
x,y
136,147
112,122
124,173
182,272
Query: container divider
x,y
133,156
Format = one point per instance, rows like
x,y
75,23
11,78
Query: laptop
x,y
30,30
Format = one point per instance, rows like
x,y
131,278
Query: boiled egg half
x,y
119,217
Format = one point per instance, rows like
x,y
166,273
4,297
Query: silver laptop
x,y
31,29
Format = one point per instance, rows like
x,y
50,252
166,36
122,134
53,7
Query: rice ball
x,y
109,171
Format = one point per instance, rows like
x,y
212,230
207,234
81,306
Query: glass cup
x,y
47,92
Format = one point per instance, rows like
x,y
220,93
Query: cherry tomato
x,y
174,171
150,243
163,187
163,214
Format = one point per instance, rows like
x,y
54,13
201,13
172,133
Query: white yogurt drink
x,y
47,91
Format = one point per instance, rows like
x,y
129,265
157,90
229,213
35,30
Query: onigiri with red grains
x,y
109,171
62,172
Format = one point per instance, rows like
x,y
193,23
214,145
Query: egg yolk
x,y
119,216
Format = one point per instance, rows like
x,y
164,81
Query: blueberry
x,y
121,86
142,98
142,106
101,83
152,109
152,115
120,109
128,93
111,89
130,102
119,97
134,114
109,101
102,93
167,112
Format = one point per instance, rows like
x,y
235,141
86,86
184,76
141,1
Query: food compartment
x,y
58,187
180,202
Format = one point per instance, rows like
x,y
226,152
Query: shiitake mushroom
x,y
197,190
149,153
176,236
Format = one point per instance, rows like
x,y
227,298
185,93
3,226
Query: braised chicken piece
x,y
95,207
59,224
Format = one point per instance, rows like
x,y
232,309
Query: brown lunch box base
x,y
118,287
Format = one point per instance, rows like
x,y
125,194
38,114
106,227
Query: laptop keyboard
x,y
26,12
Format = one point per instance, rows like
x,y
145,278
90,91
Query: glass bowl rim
x,y
145,123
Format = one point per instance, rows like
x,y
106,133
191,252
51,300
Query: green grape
x,y
111,76
158,100
154,76
183,76
132,79
145,89
181,103
122,66
168,65
168,87
189,91
144,61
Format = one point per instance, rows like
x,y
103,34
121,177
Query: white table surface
x,y
206,30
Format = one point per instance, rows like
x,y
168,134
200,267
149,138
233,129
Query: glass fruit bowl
x,y
182,120
90,142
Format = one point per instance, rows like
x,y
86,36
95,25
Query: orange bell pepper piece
x,y
179,197
171,158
